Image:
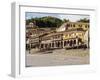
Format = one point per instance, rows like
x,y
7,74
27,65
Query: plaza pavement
x,y
58,57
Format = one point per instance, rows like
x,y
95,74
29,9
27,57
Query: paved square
x,y
57,57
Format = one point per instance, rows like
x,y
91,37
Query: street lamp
x,y
28,42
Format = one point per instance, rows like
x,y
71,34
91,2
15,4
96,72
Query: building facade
x,y
64,39
68,35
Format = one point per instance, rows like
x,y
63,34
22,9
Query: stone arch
x,y
70,42
65,43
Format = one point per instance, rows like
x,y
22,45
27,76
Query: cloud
x,y
71,17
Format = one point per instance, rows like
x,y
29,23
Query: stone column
x,y
77,42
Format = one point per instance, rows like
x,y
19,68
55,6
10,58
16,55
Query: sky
x,y
71,17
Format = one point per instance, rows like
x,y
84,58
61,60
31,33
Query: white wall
x,y
5,39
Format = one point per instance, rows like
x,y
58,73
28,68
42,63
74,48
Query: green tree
x,y
84,20
47,21
65,20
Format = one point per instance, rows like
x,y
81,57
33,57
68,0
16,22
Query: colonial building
x,y
73,25
64,39
69,34
33,33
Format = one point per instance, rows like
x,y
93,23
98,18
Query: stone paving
x,y
57,57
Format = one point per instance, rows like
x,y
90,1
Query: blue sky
x,y
71,17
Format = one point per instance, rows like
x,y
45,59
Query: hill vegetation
x,y
49,21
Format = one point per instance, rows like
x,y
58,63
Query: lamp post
x,y
29,45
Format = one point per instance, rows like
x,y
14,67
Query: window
x,y
52,44
64,43
42,45
68,25
74,41
73,25
85,26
